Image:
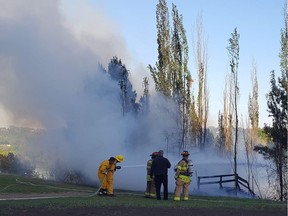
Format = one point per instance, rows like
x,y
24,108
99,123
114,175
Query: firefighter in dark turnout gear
x,y
150,188
159,168
183,176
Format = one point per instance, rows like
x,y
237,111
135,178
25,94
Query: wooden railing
x,y
220,179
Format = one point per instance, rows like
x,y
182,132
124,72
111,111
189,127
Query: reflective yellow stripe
x,y
182,168
149,178
186,198
185,179
177,198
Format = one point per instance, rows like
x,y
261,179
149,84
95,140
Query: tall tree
x,y
181,77
161,73
277,108
277,150
193,122
253,107
228,115
171,75
203,97
251,132
120,74
220,140
233,50
284,46
145,98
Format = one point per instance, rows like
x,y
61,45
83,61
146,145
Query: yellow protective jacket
x,y
106,175
106,167
182,171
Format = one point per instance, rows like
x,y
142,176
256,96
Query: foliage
x,y
233,50
118,72
171,75
181,77
220,139
144,99
17,136
11,141
277,151
161,73
277,108
253,105
15,164
200,131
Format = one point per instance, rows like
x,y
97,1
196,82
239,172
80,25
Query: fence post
x,y
221,182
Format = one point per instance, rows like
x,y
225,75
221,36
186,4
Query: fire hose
x,y
68,189
101,182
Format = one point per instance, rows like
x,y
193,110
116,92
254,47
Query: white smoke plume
x,y
49,79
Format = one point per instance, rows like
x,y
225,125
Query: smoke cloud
x,y
50,79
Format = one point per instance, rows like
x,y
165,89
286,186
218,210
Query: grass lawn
x,y
11,185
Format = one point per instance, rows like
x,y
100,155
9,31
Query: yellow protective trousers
x,y
150,189
180,184
106,180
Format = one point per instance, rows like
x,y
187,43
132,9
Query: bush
x,y
15,165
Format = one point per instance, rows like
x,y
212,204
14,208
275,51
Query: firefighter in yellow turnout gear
x,y
183,176
106,174
150,188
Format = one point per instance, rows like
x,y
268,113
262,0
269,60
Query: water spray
x,y
133,166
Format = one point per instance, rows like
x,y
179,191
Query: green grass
x,y
16,184
127,199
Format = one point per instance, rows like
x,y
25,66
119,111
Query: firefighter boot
x,y
102,192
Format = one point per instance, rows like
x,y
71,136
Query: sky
x,y
258,22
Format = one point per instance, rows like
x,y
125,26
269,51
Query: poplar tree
x,y
227,115
233,51
145,98
220,139
171,74
181,77
253,108
203,97
194,122
251,132
161,73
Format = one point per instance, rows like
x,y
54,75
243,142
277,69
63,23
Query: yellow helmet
x,y
120,158
185,153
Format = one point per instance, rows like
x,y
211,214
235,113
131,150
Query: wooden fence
x,y
220,179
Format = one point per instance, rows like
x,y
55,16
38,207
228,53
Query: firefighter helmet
x,y
120,158
154,154
185,153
